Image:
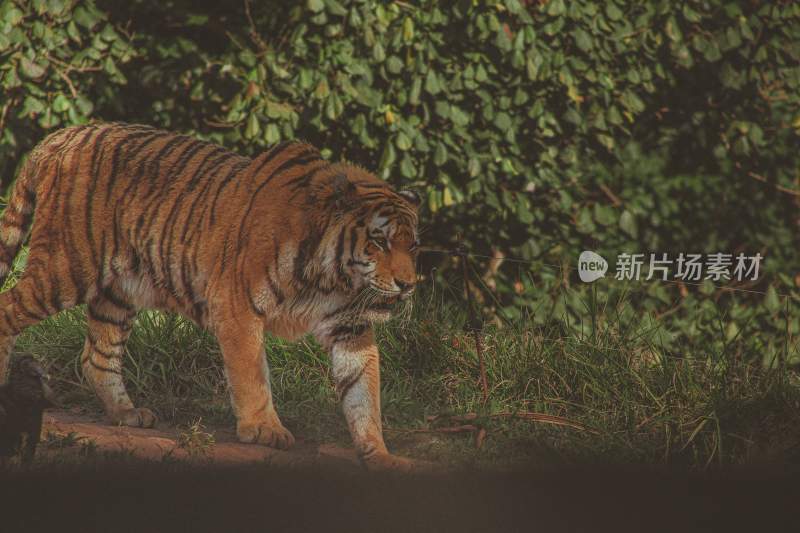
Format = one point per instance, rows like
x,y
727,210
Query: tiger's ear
x,y
411,196
343,192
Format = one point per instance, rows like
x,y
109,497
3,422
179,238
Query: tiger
x,y
129,217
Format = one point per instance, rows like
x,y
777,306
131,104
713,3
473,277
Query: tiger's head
x,y
376,243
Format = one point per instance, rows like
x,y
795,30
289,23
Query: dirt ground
x,y
66,431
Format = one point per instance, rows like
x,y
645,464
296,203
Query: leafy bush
x,y
59,61
534,128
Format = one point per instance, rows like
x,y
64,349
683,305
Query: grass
x,y
624,398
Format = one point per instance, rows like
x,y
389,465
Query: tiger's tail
x,y
16,219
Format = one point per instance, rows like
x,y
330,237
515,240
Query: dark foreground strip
x,y
163,496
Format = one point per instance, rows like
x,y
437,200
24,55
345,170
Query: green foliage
x,y
58,60
535,128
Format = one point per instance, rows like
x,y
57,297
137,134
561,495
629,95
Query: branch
x,y
610,195
254,36
781,188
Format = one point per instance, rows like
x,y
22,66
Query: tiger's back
x,y
133,204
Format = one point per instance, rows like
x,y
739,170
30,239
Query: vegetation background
x,y
535,129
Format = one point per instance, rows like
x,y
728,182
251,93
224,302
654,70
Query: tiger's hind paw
x,y
138,417
387,462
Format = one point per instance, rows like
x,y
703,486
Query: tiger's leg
x,y
242,344
356,376
31,300
110,319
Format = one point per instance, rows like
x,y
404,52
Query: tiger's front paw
x,y
271,434
139,417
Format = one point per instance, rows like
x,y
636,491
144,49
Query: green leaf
x,y
673,30
407,168
13,15
84,105
31,70
416,88
272,134
432,83
73,32
459,117
556,8
316,5
322,91
503,121
627,223
631,101
473,167
772,301
86,17
378,53
253,127
690,14
604,214
612,11
402,141
388,157
440,154
583,39
394,65
408,30
196,20
32,106
61,103
335,8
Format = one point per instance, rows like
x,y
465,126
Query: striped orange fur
x,y
130,217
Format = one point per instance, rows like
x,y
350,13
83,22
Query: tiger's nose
x,y
404,286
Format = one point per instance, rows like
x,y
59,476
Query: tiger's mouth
x,y
387,303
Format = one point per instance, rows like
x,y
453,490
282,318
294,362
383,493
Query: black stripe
x,y
107,355
131,156
117,301
168,227
94,171
305,252
284,166
98,317
98,367
115,158
370,185
298,160
353,241
271,154
276,291
20,306
38,294
348,331
74,259
55,296
183,161
234,170
253,304
340,245
190,217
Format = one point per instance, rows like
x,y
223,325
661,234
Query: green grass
x,y
629,399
